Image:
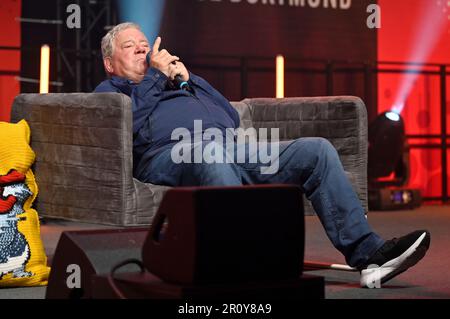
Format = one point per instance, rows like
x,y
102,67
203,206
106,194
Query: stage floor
x,y
429,279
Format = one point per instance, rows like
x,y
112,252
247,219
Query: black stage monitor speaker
x,y
81,254
203,235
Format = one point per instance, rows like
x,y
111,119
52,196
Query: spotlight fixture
x,y
386,141
393,116
389,157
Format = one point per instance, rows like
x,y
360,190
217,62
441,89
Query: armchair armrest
x,y
83,147
340,119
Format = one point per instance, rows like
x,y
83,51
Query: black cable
x,y
111,279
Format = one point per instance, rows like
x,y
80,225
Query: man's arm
x,y
199,82
171,66
146,95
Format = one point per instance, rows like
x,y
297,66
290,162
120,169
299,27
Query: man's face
x,y
128,60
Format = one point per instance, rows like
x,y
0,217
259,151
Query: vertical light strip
x,y
45,69
280,77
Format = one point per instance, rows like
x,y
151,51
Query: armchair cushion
x,y
340,119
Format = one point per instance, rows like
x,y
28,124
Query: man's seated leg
x,y
313,163
200,170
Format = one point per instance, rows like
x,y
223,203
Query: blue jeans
x,y
311,163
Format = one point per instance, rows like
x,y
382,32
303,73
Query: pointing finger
x,y
156,45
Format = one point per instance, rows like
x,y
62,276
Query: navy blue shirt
x,y
158,110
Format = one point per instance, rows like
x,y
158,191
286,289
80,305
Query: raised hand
x,y
178,68
162,60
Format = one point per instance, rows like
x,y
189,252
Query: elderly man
x,y
160,108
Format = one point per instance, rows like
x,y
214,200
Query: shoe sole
x,y
394,267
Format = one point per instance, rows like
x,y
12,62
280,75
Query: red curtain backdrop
x,y
401,37
9,60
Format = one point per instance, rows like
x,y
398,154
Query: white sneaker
x,y
394,257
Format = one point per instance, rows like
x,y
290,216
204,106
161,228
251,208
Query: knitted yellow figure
x,y
22,256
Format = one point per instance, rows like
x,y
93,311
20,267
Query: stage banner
x,y
316,31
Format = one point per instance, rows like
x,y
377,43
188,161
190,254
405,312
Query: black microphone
x,y
178,81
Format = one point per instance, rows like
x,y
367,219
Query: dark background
x,y
81,68
315,41
232,45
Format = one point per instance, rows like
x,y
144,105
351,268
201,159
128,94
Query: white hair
x,y
108,39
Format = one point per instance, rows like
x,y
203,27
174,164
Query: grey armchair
x,y
83,146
